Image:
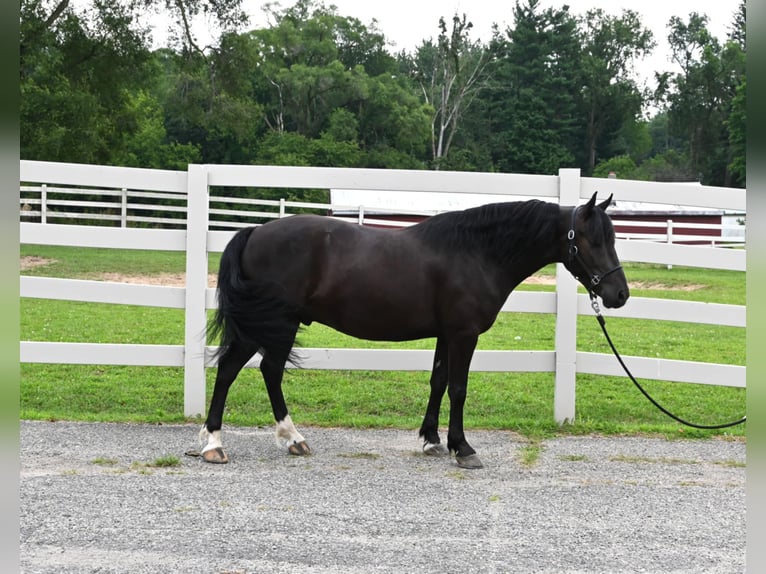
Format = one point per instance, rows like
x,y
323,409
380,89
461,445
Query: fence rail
x,y
198,237
42,204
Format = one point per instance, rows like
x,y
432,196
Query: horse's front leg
x,y
460,353
429,430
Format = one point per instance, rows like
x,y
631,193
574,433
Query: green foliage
x,y
146,143
737,126
294,149
450,72
623,166
315,87
75,74
700,100
610,97
670,165
531,100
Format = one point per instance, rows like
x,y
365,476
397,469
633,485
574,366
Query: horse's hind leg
x,y
429,430
229,365
273,370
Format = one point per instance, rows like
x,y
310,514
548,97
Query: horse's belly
x,y
384,319
377,332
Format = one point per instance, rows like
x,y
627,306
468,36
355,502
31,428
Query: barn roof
x,y
636,208
429,203
411,202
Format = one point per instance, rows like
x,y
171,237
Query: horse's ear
x,y
606,203
588,207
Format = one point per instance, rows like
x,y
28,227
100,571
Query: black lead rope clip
x,y
602,322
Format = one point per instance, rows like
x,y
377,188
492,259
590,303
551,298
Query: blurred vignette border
x,y
756,273
9,287
756,304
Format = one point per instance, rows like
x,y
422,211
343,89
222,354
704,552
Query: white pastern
x,y
434,449
286,434
213,439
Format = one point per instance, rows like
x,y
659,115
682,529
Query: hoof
x,y
434,449
299,449
471,461
215,456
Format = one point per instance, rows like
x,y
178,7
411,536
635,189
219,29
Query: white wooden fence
x,y
195,186
130,208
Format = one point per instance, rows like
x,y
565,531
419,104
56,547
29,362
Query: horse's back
x,y
286,248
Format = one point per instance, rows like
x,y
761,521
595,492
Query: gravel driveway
x,y
93,499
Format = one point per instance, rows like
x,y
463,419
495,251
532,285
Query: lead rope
x,y
602,322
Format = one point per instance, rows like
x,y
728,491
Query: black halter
x,y
595,278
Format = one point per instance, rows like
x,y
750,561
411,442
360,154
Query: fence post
x,y
124,208
566,315
43,203
670,237
196,284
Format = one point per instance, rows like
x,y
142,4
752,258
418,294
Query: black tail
x,y
251,312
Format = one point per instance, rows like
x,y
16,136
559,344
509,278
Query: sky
x,y
407,22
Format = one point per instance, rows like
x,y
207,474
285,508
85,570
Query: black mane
x,y
503,231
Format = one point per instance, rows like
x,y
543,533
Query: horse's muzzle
x,y
614,296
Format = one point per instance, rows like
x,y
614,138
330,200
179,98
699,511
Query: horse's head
x,y
591,256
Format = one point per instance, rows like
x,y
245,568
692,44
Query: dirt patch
x,y
166,279
32,261
540,280
654,286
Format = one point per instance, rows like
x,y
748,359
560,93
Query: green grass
x,y
530,454
517,401
165,461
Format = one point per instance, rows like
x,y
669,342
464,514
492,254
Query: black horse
x,y
446,277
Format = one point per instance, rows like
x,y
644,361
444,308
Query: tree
x,y
738,26
530,103
227,14
700,98
92,90
146,143
449,73
309,64
610,98
623,166
77,70
736,124
737,127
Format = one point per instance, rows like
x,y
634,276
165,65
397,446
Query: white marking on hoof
x,y
434,449
211,440
287,435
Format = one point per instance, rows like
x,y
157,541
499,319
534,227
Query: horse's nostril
x,y
622,296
